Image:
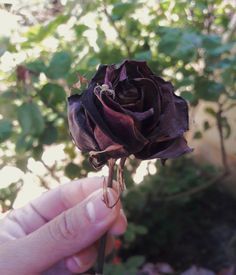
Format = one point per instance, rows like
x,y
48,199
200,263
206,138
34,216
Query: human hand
x,y
58,232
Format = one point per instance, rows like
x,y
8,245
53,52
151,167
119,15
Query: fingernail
x,y
97,208
74,264
77,261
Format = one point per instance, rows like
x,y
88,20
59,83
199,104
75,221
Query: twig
x,y
43,183
102,243
51,170
222,145
121,38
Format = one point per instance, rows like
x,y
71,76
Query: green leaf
x,y
80,29
169,40
120,10
24,143
49,135
30,119
37,66
179,44
141,230
5,129
207,89
188,96
211,41
129,236
210,111
135,261
220,49
59,65
197,135
37,152
52,94
206,125
72,170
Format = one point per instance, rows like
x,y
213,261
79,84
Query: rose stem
x,y
102,242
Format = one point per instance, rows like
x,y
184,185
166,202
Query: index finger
x,y
53,202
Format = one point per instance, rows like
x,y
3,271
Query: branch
x,y
222,144
121,38
43,183
51,170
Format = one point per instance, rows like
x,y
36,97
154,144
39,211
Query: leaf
x,y
188,96
129,236
59,65
120,10
5,129
206,125
179,44
211,41
52,94
210,111
23,143
37,152
169,40
37,66
49,135
30,119
80,29
135,261
207,89
221,49
197,135
140,229
72,170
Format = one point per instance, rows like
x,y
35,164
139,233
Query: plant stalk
x,y
102,242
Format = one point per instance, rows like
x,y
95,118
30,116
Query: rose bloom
x,y
126,110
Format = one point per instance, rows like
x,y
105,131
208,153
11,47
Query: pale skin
x,y
58,232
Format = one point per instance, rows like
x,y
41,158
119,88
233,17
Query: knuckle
x,y
62,228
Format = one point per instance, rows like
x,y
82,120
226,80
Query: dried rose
x,y
125,110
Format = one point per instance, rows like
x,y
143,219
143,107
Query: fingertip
x,y
120,225
82,261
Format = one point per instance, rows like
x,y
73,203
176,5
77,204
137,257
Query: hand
x,y
58,232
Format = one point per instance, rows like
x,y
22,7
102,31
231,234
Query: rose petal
x,y
174,115
88,100
164,150
122,125
79,125
99,77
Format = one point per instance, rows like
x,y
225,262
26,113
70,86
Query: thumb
x,y
67,234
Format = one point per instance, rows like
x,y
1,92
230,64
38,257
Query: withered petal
x,y
165,150
79,126
122,125
99,158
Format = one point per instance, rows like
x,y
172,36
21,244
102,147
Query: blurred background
x,y
181,216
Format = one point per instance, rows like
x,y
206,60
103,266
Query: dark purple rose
x,y
126,110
